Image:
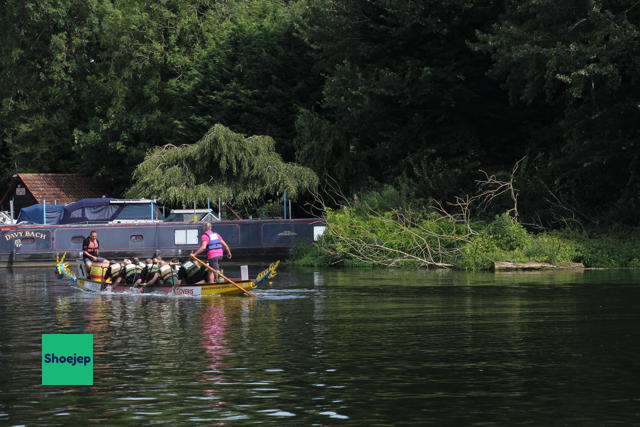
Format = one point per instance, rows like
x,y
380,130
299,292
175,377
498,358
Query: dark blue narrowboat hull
x,y
248,239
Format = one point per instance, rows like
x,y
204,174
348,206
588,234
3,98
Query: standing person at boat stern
x,y
213,243
90,249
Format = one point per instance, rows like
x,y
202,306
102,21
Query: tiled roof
x,y
62,188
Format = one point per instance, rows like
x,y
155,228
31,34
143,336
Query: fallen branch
x,y
534,265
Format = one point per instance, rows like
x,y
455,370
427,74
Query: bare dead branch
x,y
419,244
491,188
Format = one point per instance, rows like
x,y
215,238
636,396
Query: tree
x,y
404,94
223,164
44,55
253,75
164,72
578,58
141,49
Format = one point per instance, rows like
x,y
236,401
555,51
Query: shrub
x,y
608,250
478,254
309,255
360,238
551,248
508,233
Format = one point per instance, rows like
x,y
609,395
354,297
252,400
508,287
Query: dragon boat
x,y
229,287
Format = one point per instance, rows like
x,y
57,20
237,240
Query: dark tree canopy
x,y
404,94
414,94
579,58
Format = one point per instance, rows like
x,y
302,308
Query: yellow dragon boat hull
x,y
202,290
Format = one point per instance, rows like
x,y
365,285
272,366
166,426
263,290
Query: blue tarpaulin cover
x,y
91,210
87,211
34,214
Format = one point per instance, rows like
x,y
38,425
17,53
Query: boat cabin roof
x,y
132,201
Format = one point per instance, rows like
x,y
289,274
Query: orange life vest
x,y
93,247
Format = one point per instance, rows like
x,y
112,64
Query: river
x,y
335,347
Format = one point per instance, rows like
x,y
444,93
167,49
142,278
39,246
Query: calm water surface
x,y
336,348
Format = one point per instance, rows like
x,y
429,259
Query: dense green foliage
x,y
419,95
91,86
252,76
404,94
577,59
502,239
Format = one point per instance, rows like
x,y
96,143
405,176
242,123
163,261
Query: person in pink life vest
x,y
213,243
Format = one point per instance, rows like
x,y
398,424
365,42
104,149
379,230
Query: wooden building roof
x,y
58,188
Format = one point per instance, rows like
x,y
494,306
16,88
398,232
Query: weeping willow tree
x,y
240,170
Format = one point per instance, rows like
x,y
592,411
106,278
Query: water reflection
x,y
215,347
63,311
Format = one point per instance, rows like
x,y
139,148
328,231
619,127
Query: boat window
x,y
136,237
28,240
77,239
318,231
186,237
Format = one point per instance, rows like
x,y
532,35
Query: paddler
x,y
153,273
130,272
144,271
115,272
140,266
192,273
213,243
167,273
175,264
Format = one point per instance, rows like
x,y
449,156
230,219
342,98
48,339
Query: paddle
x,y
223,276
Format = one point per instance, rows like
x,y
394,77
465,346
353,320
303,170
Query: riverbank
x,y
427,240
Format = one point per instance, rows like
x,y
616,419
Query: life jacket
x,y
147,272
115,269
166,272
129,270
93,246
190,269
214,241
97,273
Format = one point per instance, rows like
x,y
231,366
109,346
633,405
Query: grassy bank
x,y
416,239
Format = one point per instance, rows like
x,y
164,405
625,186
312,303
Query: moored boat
x,y
123,233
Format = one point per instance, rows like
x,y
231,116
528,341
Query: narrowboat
x,y
124,231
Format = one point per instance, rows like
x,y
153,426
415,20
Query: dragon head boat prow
x,y
62,268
